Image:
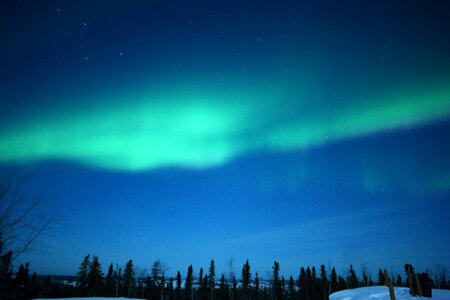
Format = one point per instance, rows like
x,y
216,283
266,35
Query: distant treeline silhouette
x,y
91,281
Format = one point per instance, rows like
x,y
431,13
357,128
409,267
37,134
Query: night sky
x,y
306,132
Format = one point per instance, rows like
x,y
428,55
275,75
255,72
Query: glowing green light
x,y
210,128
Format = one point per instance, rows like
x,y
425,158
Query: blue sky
x,y
304,132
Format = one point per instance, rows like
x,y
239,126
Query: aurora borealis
x,y
203,129
290,128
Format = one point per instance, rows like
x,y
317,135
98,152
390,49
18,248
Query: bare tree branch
x,y
23,217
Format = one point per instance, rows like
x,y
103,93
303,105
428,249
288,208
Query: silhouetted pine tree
x,y
276,284
203,292
46,285
352,281
333,281
257,288
223,288
409,270
233,288
380,277
291,288
162,285
117,281
342,284
171,293
399,281
178,283
129,281
246,277
302,284
211,279
82,282
109,282
21,282
323,283
309,283
95,277
34,288
189,282
156,271
171,290
200,278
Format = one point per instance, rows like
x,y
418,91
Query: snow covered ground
x,y
367,293
96,298
382,293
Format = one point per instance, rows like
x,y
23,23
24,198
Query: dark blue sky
x,y
298,131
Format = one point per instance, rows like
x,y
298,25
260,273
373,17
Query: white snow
x,y
382,293
96,298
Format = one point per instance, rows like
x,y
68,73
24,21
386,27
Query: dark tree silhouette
x,y
381,280
82,282
333,281
246,277
189,283
178,283
129,279
277,289
211,279
95,277
23,217
352,280
5,271
109,282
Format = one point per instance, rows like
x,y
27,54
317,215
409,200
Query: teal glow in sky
x,y
208,129
252,129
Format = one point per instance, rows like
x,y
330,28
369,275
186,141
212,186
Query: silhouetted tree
x,y
291,288
82,282
23,218
309,283
333,281
162,285
95,277
439,273
257,288
302,284
246,277
156,271
203,293
117,280
189,282
223,288
352,281
211,279
109,282
233,288
178,283
381,279
170,289
342,284
276,284
129,280
399,281
21,282
409,270
34,289
200,277
323,283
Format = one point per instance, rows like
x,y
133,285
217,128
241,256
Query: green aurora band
x,y
207,129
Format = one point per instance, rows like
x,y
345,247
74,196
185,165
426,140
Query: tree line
x,y
92,281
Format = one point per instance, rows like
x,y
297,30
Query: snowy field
x,y
367,293
96,298
382,293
